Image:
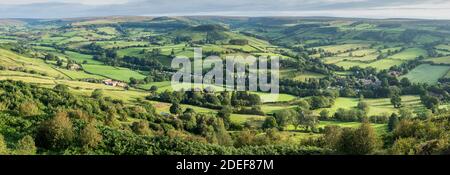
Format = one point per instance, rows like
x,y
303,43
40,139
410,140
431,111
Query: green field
x,y
380,64
376,106
122,74
12,60
80,74
440,60
427,73
300,76
409,54
342,47
379,128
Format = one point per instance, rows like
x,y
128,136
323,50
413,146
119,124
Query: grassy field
x,y
272,108
379,128
443,47
300,76
380,64
440,60
376,106
342,47
76,75
427,73
409,54
268,97
10,59
122,74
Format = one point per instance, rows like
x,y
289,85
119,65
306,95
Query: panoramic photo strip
x,y
288,80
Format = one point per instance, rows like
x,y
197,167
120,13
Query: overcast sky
x,y
429,9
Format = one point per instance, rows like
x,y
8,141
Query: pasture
x,y
117,73
409,54
426,73
440,60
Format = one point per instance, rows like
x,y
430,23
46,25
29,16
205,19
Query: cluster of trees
x,y
209,99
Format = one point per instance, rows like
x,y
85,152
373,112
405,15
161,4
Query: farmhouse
x,y
73,66
395,73
114,83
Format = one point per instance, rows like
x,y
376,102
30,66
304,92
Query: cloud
x,y
347,8
85,2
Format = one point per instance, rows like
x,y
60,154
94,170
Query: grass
x,y
76,75
269,98
440,60
379,128
80,58
443,47
120,44
376,106
122,74
300,76
409,54
253,120
426,73
342,47
272,108
10,59
28,79
380,64
108,30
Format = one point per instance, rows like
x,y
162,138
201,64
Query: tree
x,y
141,128
153,89
331,135
59,63
3,148
396,100
324,114
404,146
307,120
97,94
405,113
57,132
393,121
61,88
26,146
364,106
284,117
430,102
303,104
225,114
133,81
223,138
90,136
245,138
404,82
358,141
28,109
425,114
270,122
175,109
320,102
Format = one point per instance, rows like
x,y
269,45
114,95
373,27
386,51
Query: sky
x,y
425,9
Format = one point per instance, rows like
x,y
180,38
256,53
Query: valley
x,y
109,78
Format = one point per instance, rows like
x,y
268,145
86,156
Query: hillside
x,y
109,78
